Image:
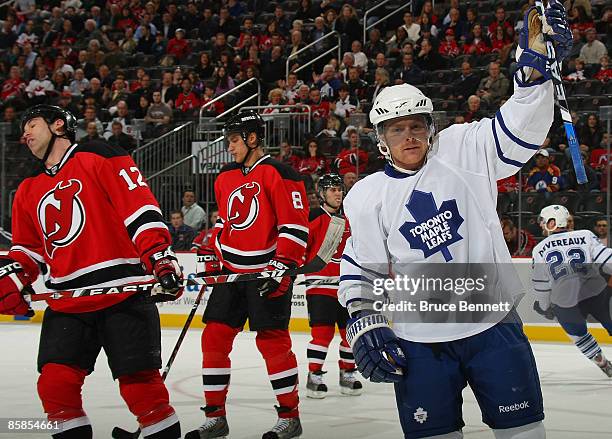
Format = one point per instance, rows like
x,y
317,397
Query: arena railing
x,y
337,47
367,27
286,124
169,183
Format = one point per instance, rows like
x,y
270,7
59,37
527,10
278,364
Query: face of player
x,y
407,139
510,233
333,197
36,135
238,149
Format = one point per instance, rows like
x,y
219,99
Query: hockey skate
x,y
285,428
213,428
349,385
604,364
315,387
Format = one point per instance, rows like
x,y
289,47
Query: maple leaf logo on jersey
x,y
243,206
435,229
61,215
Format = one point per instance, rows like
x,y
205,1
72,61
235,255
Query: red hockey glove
x,y
276,287
12,281
168,272
207,262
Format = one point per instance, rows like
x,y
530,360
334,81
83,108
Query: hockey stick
x,y
566,116
332,239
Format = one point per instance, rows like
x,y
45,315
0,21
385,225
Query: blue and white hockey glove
x,y
558,30
376,348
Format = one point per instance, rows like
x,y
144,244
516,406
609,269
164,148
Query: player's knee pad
x,y
535,430
217,339
147,398
273,342
322,335
59,389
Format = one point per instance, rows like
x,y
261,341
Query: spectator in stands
x,y
466,85
89,116
187,102
193,214
158,50
396,42
216,107
449,47
604,73
494,87
13,88
228,24
91,133
501,20
273,69
357,86
288,157
9,116
168,90
203,238
80,84
380,62
27,34
352,158
204,68
178,47
381,80
428,10
223,82
307,11
347,25
428,30
544,177
348,61
409,72
507,185
319,110
346,103
580,21
191,18
142,107
313,199
477,43
296,44
118,93
500,39
359,57
579,71
328,82
317,32
89,69
601,230
39,89
220,46
209,25
349,179
428,58
455,23
473,113
283,23
146,40
314,161
571,182
520,243
182,235
375,45
119,138
290,87
591,133
413,30
128,43
594,49
275,98
166,28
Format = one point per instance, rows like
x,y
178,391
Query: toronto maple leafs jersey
x,y
445,213
568,266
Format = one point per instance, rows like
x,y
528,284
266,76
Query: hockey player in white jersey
x,y
568,282
435,203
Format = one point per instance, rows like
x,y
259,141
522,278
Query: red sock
x,y
59,389
275,347
347,360
217,340
322,336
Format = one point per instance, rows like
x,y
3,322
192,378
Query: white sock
x,y
535,430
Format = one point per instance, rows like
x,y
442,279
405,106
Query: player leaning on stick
x,y
568,282
324,310
447,182
86,218
262,225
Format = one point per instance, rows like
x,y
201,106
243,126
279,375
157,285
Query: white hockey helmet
x,y
395,102
557,212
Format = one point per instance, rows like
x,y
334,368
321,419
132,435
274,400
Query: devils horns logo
x,y
243,206
61,215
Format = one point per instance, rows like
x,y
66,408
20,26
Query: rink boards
x,y
173,314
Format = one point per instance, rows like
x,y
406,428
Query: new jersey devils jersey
x,y
89,219
319,222
262,215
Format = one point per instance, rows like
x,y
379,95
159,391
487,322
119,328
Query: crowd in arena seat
x,y
114,63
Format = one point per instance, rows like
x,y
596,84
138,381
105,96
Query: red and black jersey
x,y
263,213
319,222
89,219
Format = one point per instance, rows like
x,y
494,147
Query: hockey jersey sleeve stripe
x,y
148,226
294,238
599,254
607,259
115,275
541,281
149,207
543,291
246,253
94,267
352,261
148,219
507,132
500,153
38,259
355,277
294,226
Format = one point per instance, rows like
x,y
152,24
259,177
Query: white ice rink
x,y
577,396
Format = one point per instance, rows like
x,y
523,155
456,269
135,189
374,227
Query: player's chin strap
x,y
49,145
245,136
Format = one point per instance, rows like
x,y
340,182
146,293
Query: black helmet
x,y
245,123
330,180
50,113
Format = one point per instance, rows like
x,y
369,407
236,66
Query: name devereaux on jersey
x,y
262,215
86,223
568,266
446,212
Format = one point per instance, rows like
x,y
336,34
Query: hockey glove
x,y
276,287
168,273
207,262
557,28
378,355
13,281
547,313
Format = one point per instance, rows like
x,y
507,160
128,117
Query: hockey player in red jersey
x,y
262,225
86,218
324,310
